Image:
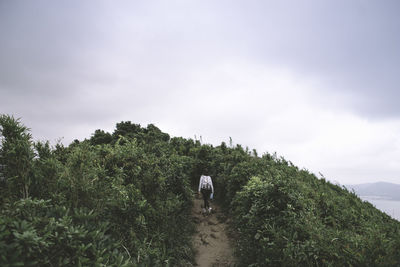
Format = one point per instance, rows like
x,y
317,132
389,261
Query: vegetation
x,y
113,200
124,198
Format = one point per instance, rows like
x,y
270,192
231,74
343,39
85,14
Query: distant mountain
x,y
380,189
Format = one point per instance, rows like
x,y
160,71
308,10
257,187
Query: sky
x,y
317,82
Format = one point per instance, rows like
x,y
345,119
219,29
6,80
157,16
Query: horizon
x,y
313,81
378,182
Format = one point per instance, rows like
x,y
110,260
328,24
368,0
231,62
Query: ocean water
x,y
390,207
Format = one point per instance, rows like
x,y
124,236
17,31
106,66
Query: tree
x,y
16,155
100,137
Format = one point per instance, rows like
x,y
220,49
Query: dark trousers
x,y
206,195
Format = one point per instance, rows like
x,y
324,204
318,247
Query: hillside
x,y
383,190
125,199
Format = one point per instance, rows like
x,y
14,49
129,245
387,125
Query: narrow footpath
x,y
211,242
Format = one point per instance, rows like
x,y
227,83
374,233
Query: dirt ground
x,y
211,242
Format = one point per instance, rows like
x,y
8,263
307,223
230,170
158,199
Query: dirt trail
x,y
212,245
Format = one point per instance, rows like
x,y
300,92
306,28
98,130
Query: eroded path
x,y
211,242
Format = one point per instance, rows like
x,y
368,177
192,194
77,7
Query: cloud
x,y
278,110
352,45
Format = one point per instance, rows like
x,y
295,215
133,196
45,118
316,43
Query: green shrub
x,y
285,220
109,203
37,233
16,157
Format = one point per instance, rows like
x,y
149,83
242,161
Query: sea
x,y
390,207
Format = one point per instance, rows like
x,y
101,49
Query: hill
x,y
383,190
125,199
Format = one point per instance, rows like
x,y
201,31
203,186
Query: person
x,y
206,188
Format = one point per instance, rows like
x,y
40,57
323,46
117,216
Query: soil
x,y
211,242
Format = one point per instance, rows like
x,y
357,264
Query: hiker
x,y
207,190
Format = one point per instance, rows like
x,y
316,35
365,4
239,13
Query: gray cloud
x,y
352,45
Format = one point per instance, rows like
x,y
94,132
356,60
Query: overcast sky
x,y
315,81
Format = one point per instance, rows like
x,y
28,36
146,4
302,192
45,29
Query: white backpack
x,y
206,183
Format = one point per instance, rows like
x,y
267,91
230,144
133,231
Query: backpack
x,y
206,183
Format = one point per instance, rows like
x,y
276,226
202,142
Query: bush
x,y
37,233
298,220
16,157
96,202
